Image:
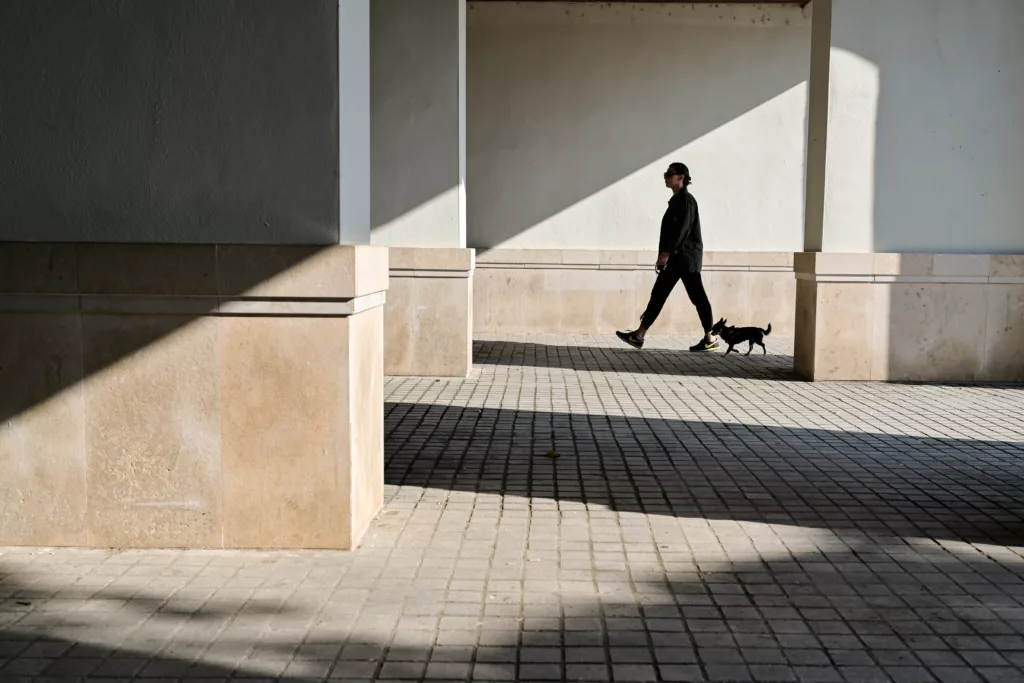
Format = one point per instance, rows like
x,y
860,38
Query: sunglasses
x,y
670,174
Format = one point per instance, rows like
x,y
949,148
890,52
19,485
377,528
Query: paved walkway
x,y
581,511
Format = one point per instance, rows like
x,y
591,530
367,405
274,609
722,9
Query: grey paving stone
x,y
678,672
452,670
494,672
587,672
728,672
771,672
864,674
547,672
403,670
818,674
633,672
955,674
1001,674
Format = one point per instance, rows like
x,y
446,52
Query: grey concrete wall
x,y
418,132
183,121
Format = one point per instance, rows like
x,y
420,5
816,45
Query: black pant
x,y
663,286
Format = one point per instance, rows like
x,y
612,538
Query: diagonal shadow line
x,y
45,354
524,152
527,141
955,489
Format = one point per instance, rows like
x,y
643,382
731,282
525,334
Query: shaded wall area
x,y
169,122
418,132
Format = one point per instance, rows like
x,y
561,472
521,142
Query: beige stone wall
x,y
190,396
429,316
910,317
586,292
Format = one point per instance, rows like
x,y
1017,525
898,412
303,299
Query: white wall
x,y
575,110
925,147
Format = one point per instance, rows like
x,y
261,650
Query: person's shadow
x,y
651,360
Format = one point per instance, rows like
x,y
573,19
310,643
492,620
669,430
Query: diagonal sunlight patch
x,y
741,196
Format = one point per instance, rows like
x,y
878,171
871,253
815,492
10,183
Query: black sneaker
x,y
631,339
705,345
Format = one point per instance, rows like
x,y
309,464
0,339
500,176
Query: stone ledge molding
x,y
630,260
213,276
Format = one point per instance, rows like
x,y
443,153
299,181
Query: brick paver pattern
x,y
579,510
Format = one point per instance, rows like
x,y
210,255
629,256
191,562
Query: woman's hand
x,y
659,265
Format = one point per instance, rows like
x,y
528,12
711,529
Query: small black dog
x,y
737,335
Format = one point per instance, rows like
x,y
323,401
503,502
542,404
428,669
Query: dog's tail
x,y
769,330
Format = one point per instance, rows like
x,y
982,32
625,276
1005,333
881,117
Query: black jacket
x,y
680,234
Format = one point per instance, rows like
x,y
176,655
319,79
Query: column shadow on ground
x,y
904,486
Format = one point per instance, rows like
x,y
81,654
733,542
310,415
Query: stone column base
x,y
910,317
190,396
428,322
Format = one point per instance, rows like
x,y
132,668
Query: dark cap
x,y
680,169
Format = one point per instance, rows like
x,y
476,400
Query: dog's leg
x,y
750,349
728,350
763,349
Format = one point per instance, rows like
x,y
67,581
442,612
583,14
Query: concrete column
x,y
191,316
912,266
842,121
842,110
418,105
